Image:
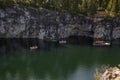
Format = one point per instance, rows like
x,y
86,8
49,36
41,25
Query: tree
x,y
84,7
5,3
112,7
92,7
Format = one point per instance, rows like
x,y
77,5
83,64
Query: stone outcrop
x,y
112,73
107,29
103,30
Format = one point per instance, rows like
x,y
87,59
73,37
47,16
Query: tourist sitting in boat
x,y
33,47
101,42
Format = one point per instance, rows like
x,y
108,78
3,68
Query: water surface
x,y
66,63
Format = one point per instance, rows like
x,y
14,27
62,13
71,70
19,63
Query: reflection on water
x,y
68,63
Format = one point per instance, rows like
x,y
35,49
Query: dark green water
x,y
68,63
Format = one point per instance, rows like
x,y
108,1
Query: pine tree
x,y
118,7
4,3
112,7
92,7
84,7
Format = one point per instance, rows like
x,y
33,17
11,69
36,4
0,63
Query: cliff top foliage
x,y
86,7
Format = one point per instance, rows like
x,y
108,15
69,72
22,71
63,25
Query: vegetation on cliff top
x,y
86,7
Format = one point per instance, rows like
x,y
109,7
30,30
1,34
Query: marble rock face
x,y
21,22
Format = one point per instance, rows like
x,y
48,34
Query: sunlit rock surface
x,y
111,74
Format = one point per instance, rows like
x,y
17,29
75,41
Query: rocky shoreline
x,y
110,73
48,25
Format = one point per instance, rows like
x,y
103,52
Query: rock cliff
x,y
22,22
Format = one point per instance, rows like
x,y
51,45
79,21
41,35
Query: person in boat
x,y
34,47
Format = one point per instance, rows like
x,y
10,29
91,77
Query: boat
x,y
62,42
101,43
